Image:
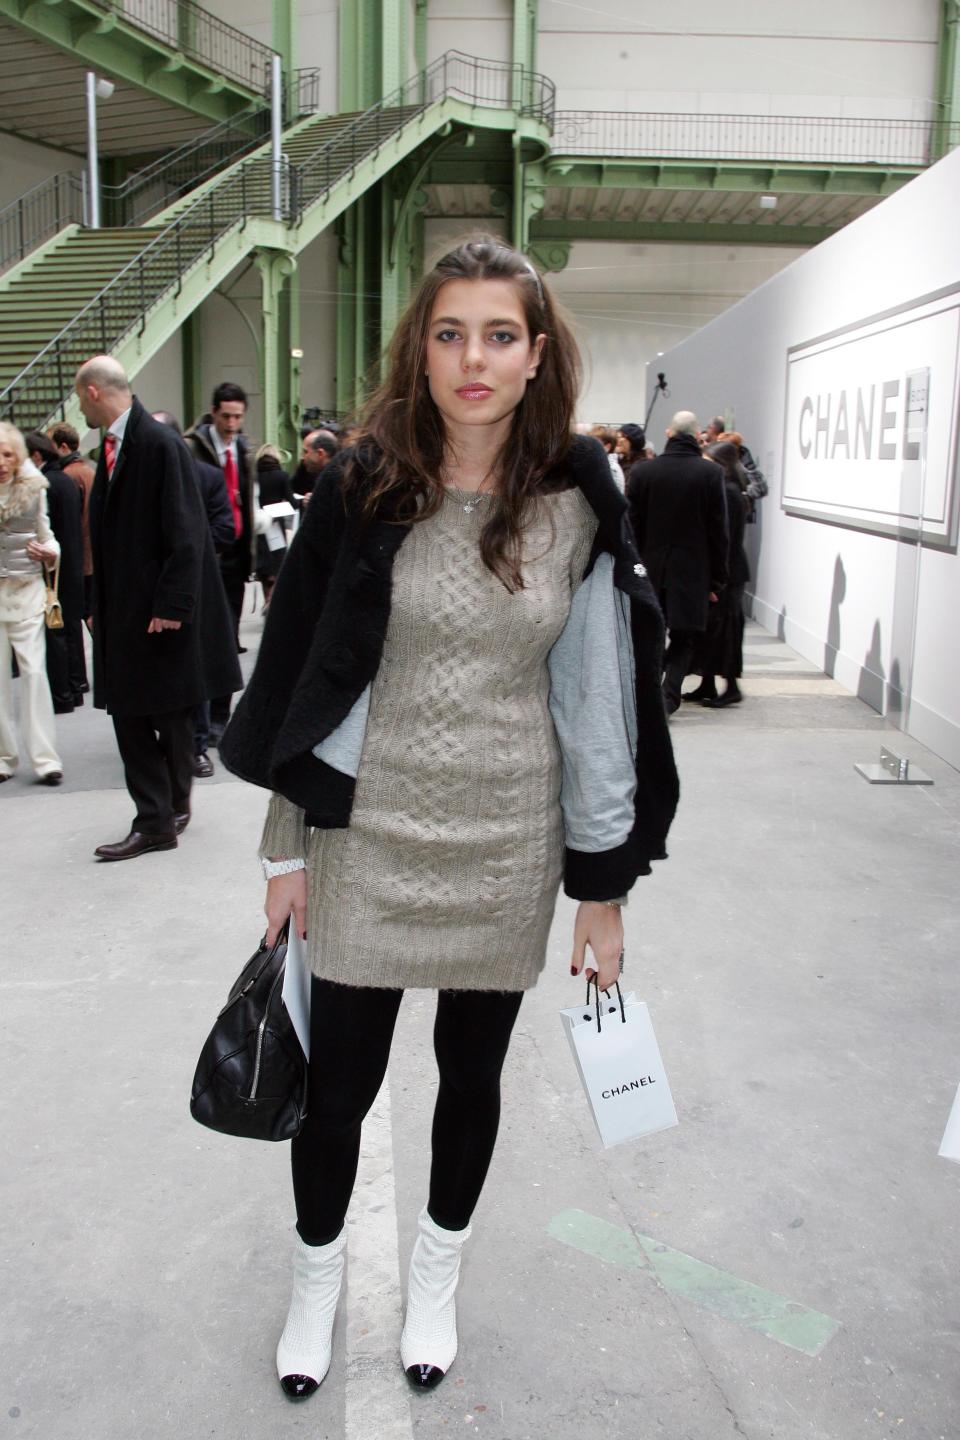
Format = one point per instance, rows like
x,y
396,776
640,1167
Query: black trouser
x,y
58,669
77,660
234,576
350,1034
676,663
157,755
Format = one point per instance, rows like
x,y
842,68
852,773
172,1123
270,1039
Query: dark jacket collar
x,y
683,445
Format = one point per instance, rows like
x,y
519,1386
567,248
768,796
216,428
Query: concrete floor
x,y
799,955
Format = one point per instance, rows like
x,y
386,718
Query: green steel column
x,y
289,366
948,81
191,366
348,285
360,54
274,266
524,48
393,47
420,36
283,38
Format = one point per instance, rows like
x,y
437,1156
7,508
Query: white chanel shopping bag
x,y
950,1144
620,1067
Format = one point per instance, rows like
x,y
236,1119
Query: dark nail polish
x,y
573,969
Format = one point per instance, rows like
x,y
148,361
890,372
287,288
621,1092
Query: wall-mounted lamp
x,y
768,202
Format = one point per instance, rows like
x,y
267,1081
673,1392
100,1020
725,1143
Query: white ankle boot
x,y
303,1354
428,1344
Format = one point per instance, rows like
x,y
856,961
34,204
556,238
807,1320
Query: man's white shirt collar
x,y
119,426
223,446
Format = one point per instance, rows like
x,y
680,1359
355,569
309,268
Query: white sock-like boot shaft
x,y
303,1354
429,1339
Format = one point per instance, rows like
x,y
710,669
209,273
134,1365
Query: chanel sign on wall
x,y
871,423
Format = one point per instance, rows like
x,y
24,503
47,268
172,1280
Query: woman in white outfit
x,y
27,544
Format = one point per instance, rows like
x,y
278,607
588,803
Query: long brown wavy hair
x,y
405,461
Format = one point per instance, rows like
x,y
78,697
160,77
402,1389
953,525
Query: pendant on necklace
x,y
470,506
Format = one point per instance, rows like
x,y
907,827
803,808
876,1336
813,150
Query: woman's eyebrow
x,y
452,320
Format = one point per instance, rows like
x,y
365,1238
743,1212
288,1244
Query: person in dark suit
x,y
678,511
218,440
161,625
721,652
66,661
216,504
275,488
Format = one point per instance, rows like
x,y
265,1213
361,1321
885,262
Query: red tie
x,y
110,443
233,491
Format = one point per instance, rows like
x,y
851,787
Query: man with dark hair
x,y
66,662
317,450
714,430
679,513
218,440
81,472
161,626
216,504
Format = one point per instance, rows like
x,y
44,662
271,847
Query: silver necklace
x,y
475,495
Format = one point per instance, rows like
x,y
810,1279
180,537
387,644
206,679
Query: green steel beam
x,y
542,231
275,267
289,374
394,67
348,285
284,33
420,36
191,349
524,40
784,179
115,47
948,76
359,49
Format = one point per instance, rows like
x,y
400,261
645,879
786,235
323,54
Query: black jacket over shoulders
x,y
678,509
66,522
324,637
153,556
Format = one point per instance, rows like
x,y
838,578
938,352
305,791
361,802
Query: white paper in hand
x,y
950,1144
296,989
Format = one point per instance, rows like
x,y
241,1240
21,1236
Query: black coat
x,y
240,554
153,556
738,504
216,503
324,637
678,510
66,521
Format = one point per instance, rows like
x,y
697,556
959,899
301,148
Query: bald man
x,y
162,631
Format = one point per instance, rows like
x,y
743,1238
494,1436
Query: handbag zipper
x,y
261,1028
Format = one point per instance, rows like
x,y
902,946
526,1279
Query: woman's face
x,y
622,447
8,462
480,354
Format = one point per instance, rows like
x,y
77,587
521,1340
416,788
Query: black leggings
x,y
350,1034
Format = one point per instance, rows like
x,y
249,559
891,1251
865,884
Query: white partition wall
x,y
842,373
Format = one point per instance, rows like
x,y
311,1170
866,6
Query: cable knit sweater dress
x,y
447,876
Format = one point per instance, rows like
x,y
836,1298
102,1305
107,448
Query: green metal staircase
x,y
127,291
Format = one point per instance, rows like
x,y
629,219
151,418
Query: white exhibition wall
x,y
842,374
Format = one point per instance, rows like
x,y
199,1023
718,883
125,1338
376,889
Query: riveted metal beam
x,y
543,231
785,179
948,77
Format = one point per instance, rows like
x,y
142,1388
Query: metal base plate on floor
x,y
893,770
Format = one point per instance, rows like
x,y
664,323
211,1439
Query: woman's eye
x,y
503,337
447,335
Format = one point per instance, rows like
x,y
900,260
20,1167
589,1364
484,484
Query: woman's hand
x,y
286,896
601,927
47,553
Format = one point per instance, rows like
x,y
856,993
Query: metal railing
x,y
124,305
797,138
38,215
453,75
60,201
205,38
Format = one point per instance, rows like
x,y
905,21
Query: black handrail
x,y
38,214
203,37
123,304
802,139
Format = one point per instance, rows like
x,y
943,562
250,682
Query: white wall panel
x,y
843,596
484,30
23,166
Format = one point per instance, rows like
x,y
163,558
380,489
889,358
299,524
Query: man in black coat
x,y
66,661
161,627
218,440
679,514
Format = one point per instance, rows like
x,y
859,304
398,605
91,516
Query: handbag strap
x,y
596,986
54,584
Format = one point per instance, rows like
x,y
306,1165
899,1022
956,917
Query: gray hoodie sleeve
x,y
593,705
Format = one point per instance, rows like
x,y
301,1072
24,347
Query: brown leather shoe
x,y
136,844
181,821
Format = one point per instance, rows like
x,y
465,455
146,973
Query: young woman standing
x,y
457,705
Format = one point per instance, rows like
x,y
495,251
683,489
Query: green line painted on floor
x,y
783,1320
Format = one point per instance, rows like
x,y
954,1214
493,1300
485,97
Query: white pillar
x,y
276,135
93,163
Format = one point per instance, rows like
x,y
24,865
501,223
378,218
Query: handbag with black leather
x,y
251,1078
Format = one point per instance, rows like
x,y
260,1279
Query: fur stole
x,y
19,494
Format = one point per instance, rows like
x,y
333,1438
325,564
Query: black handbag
x,y
251,1078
